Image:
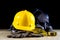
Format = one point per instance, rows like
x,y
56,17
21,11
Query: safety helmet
x,y
24,20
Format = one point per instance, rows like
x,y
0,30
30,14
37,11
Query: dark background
x,y
9,8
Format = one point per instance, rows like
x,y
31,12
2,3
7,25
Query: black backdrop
x,y
9,8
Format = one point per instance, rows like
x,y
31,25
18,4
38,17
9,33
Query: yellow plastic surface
x,y
24,20
39,31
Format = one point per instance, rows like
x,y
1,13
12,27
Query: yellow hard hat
x,y
24,20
